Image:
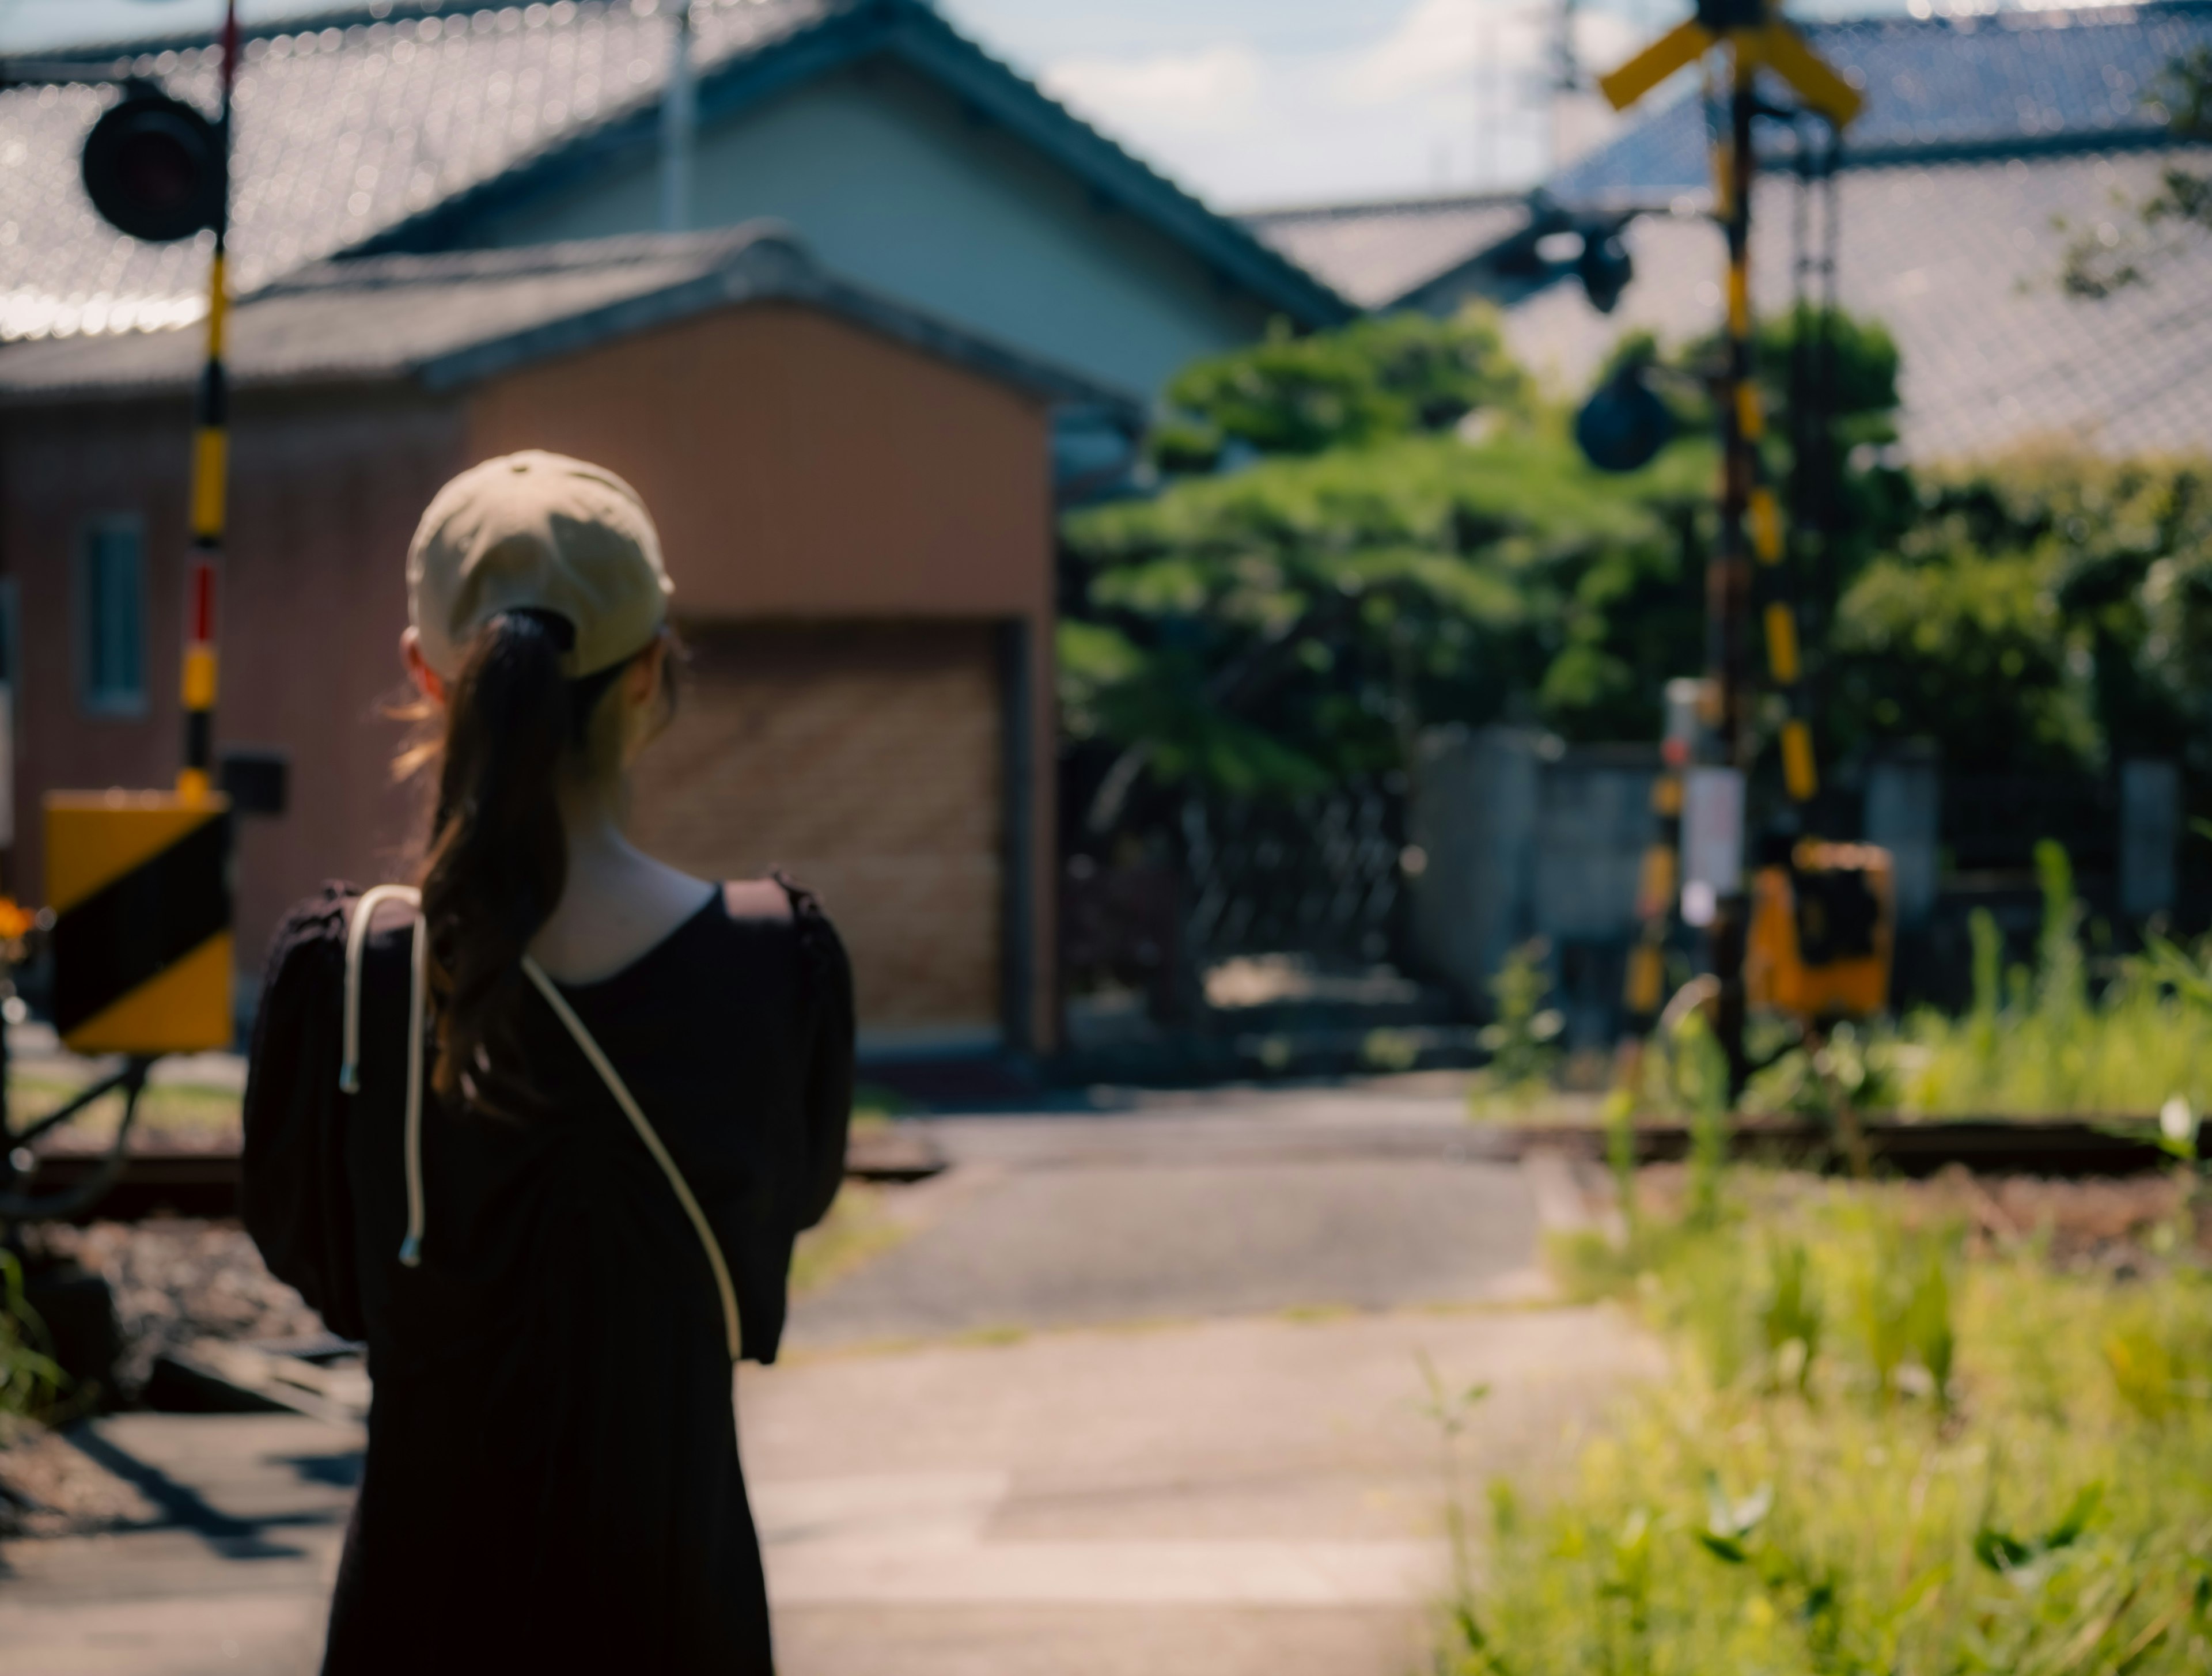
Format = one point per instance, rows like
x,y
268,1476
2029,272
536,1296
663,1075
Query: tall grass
x,y
1874,1455
2063,1036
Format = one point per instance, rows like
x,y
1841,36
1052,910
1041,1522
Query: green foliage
x,y
1371,571
1522,1038
1794,1315
1619,1117
1383,377
1972,637
1450,1409
2044,1043
1704,1078
1976,1483
30,1380
1304,618
2035,608
1852,1068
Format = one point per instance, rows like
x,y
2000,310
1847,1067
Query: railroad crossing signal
x,y
154,168
139,883
1748,558
1759,36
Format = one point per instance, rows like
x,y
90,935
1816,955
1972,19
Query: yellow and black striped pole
x,y
210,481
1748,565
1659,883
1747,522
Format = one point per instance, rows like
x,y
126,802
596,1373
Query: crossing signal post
x,y
1746,578
139,883
159,170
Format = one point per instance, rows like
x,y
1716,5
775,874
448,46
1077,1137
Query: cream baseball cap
x,y
541,531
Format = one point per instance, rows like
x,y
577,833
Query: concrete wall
x,y
1473,817
891,185
1525,839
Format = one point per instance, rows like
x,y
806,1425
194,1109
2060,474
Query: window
x,y
113,596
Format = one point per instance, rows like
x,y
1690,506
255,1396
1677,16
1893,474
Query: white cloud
x,y
1214,89
1439,45
1437,42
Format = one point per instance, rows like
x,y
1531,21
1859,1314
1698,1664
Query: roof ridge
x,y
339,273
2057,15
360,14
1255,246
917,26
749,50
1502,197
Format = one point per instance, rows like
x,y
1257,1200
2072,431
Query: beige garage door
x,y
864,760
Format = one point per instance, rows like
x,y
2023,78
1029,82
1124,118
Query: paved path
x,y
1226,1204
234,1579
1256,1495
1141,1394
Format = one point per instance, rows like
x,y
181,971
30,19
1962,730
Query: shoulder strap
x,y
364,910
646,1133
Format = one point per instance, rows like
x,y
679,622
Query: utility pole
x,y
1566,80
678,126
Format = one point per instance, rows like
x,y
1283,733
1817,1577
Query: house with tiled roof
x,y
906,157
912,290
1981,132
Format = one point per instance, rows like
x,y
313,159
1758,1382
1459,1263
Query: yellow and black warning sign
x,y
140,886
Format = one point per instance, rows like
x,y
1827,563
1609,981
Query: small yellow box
x,y
1823,932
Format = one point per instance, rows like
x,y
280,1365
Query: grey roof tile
x,y
341,131
449,319
2060,77
353,125
1376,253
1960,261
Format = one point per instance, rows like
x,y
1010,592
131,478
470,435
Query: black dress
x,y
552,1480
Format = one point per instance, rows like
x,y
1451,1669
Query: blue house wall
x,y
893,184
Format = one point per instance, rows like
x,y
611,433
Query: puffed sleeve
x,y
829,1098
294,1196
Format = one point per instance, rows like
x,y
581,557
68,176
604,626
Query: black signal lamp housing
x,y
1624,425
153,167
1604,267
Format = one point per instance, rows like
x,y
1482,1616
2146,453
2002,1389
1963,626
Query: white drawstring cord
x,y
411,1249
364,910
620,1090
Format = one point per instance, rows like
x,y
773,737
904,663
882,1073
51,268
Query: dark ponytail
x,y
498,858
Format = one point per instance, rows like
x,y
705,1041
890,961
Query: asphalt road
x,y
1139,1393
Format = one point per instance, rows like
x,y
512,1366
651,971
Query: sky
x,y
1248,103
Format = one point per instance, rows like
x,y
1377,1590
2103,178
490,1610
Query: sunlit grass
x,y
1877,1453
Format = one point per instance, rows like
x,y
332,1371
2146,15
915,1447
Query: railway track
x,y
206,1184
2062,1146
